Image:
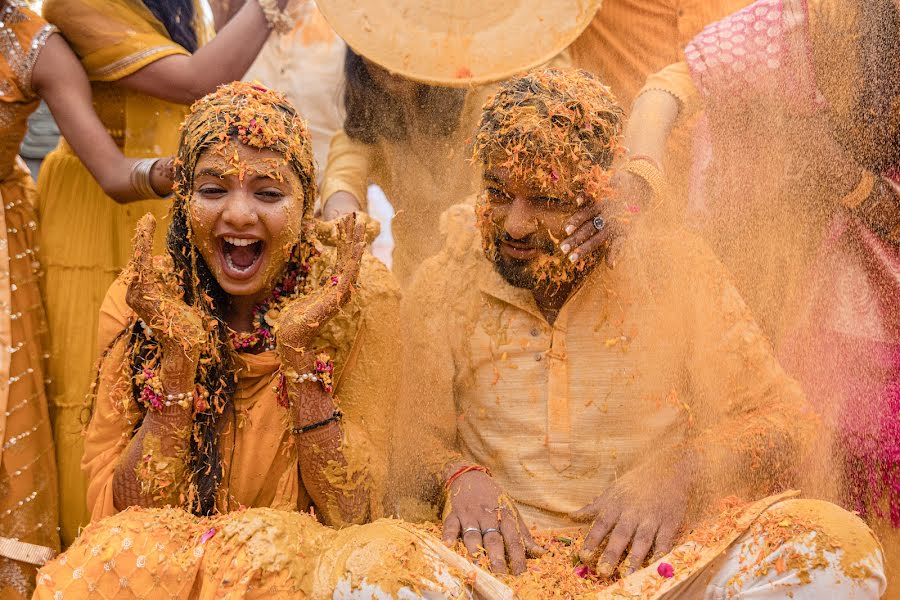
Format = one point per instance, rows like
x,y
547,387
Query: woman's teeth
x,y
239,241
241,254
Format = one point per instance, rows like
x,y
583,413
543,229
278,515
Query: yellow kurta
x,y
28,499
659,351
260,467
86,236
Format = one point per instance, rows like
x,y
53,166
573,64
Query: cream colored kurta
x,y
659,351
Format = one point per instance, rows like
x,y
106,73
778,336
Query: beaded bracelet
x,y
323,372
182,399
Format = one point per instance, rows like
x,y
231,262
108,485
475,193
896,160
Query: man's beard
x,y
550,267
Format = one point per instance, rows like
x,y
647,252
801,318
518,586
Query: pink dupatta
x,y
755,73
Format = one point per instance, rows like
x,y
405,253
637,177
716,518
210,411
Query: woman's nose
x,y
240,210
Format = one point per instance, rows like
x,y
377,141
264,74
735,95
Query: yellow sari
x,y
85,234
28,514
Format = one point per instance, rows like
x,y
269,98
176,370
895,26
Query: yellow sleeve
x,y
113,415
676,80
113,38
752,424
348,169
368,387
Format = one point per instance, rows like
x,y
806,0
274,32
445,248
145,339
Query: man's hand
x,y
485,518
599,225
646,516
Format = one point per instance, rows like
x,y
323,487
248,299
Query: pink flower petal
x,y
584,572
206,536
666,570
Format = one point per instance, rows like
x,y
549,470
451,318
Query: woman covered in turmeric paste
x,y
244,368
248,369
147,61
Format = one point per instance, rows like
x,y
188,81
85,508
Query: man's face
x,y
522,225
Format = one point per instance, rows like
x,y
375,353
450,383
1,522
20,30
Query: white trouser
x,y
808,570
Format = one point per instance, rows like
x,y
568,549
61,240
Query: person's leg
x,y
805,550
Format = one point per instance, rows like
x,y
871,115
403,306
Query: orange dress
x,y
28,508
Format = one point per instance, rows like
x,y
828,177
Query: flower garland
x,y
266,314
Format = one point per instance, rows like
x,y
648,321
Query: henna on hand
x,y
301,320
152,470
176,326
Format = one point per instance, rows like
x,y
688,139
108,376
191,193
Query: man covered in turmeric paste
x,y
557,383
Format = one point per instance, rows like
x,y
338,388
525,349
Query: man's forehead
x,y
536,182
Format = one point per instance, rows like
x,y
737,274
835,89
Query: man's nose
x,y
521,220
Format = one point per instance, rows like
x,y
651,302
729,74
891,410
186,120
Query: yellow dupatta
x,y
116,38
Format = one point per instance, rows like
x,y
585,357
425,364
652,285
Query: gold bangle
x,y
647,171
862,191
277,19
140,178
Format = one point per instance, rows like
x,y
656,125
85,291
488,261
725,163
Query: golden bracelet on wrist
x,y
140,178
862,191
275,17
649,172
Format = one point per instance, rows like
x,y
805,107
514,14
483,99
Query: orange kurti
x,y
260,467
28,508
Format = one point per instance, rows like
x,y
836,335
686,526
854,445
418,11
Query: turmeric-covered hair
x,y
548,121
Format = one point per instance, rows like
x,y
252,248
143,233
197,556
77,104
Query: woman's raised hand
x,y
177,326
301,320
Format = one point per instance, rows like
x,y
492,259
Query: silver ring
x,y
599,223
471,530
489,530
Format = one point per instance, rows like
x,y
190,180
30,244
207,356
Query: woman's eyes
x,y
270,195
217,191
211,190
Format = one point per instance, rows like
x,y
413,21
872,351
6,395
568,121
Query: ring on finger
x,y
471,530
489,530
598,222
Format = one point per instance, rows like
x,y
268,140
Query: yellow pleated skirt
x,y
85,241
28,505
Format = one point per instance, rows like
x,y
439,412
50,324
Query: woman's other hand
x,y
300,321
177,326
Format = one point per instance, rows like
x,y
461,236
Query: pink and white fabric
x,y
755,73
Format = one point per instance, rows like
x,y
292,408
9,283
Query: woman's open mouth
x,y
241,257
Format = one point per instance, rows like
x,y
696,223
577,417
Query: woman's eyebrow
x,y
211,172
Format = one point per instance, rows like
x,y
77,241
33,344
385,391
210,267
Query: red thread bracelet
x,y
462,471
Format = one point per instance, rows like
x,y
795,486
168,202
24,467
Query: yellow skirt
x,y
86,241
28,508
